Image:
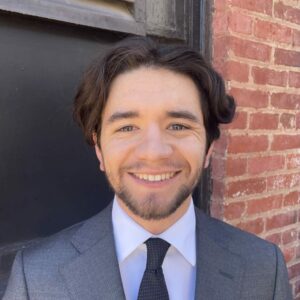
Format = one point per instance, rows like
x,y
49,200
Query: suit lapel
x,y
94,273
219,271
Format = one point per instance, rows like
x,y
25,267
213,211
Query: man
x,y
152,113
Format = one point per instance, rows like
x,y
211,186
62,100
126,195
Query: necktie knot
x,y
156,252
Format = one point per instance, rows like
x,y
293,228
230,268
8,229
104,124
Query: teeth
x,y
159,177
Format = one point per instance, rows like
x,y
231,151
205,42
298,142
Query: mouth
x,y
155,177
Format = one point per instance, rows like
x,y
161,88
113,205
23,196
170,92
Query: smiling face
x,y
153,144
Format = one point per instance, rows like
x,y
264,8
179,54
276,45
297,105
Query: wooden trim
x,y
98,16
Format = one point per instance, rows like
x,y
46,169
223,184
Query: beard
x,y
153,206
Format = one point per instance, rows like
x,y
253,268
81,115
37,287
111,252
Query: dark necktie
x,y
153,285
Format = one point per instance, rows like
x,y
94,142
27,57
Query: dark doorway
x,y
48,177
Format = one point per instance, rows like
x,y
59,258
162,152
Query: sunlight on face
x,y
152,141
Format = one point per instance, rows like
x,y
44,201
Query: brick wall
x,y
256,163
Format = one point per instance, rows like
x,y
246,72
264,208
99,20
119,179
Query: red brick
x,y
216,209
257,165
298,251
239,22
289,254
293,161
287,13
297,287
220,4
264,204
246,187
249,98
289,236
294,270
249,49
273,32
286,101
287,57
298,121
296,37
294,79
254,226
220,146
271,77
220,23
263,121
236,166
218,168
236,71
281,220
284,181
234,210
218,188
254,5
292,199
247,144
239,121
288,121
220,52
274,238
283,142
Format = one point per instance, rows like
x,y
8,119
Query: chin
x,y
153,207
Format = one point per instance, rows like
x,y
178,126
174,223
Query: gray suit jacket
x,y
80,263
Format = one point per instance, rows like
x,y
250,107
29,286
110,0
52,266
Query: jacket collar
x,y
95,271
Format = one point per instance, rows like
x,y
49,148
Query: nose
x,y
154,145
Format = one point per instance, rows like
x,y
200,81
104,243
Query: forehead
x,y
152,89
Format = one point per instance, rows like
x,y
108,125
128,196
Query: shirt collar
x,y
128,240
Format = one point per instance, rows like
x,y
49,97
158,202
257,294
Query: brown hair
x,y
134,52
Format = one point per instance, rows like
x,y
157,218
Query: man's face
x,y
152,141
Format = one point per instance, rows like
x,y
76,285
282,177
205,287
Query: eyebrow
x,y
178,114
122,115
183,114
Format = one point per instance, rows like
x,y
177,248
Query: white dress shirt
x,y
179,265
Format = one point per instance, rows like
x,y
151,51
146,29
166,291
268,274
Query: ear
x,y
98,153
208,155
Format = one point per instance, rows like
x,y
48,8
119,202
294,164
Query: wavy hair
x,y
134,52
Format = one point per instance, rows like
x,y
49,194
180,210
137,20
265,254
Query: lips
x,y
154,177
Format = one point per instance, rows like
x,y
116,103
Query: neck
x,y
157,226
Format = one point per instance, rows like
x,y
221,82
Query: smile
x,y
156,177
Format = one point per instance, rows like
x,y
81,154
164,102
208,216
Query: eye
x,y
178,127
126,128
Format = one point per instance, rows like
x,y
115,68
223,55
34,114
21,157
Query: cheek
x,y
193,151
115,155
192,144
111,142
